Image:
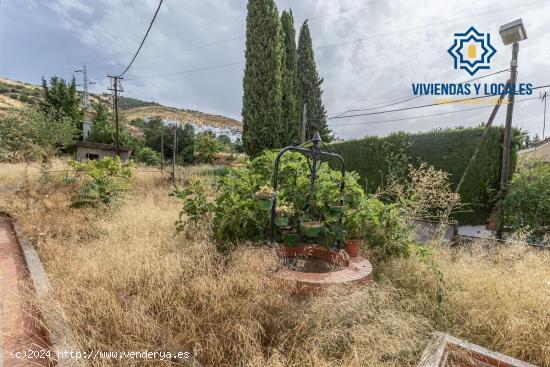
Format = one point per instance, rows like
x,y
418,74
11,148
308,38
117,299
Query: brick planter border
x,y
60,335
357,269
442,346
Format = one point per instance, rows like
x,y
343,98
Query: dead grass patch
x,y
124,280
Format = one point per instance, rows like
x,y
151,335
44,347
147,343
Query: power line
x,y
189,71
423,106
406,99
429,115
143,40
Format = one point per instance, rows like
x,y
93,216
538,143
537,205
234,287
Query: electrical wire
x,y
423,106
430,115
406,99
143,40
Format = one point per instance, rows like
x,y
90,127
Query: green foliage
x,y
107,179
526,205
384,230
380,161
237,213
224,140
60,99
103,128
310,87
291,111
31,134
155,128
125,103
262,82
207,147
196,206
147,156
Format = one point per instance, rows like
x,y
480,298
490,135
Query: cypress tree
x,y
310,87
262,92
291,120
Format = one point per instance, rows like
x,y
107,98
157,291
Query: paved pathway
x,y
19,330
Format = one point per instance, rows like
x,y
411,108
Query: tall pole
x,y
116,89
544,118
507,143
162,150
304,123
86,97
174,154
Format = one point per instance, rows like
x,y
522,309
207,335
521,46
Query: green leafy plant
x,y
196,206
148,156
284,210
207,147
526,205
265,192
107,179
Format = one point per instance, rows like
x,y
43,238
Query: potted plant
x,y
283,212
311,228
290,237
336,209
353,224
265,197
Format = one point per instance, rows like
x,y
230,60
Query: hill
x,y
16,94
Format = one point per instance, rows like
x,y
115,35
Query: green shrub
x,y
527,202
107,179
196,207
148,156
381,160
207,147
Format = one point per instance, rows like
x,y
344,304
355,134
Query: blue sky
x,y
367,51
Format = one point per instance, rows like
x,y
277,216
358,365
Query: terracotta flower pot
x,y
352,247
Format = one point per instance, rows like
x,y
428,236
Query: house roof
x,y
88,144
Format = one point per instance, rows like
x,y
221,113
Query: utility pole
x,y
304,123
544,118
162,150
174,153
116,88
507,144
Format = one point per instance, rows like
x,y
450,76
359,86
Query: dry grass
x,y
125,281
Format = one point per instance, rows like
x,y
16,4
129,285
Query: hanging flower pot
x,y
265,204
352,247
283,212
281,221
312,229
290,238
265,197
336,209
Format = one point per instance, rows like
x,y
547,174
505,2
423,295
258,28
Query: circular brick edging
x,y
357,269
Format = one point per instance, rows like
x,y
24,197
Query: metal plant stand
x,y
312,150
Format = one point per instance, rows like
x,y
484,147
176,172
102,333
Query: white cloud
x,y
402,42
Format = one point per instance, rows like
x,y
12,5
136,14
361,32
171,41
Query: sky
x,y
369,52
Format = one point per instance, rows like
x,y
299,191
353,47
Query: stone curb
x,y
60,335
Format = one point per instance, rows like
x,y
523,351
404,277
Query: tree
x,y
291,120
310,87
155,128
60,99
32,134
207,146
103,128
262,92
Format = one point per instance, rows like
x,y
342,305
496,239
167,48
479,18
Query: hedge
x,y
376,158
